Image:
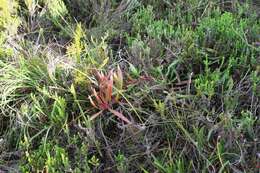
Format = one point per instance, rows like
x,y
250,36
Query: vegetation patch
x,y
129,86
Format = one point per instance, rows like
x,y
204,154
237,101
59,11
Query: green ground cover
x,y
147,86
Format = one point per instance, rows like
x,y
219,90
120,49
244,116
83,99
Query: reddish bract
x,y
104,98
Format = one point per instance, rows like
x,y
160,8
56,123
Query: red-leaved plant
x,y
104,98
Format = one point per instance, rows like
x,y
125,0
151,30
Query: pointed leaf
x,y
95,115
109,89
92,102
97,97
120,115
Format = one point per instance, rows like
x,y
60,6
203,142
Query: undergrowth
x,y
129,86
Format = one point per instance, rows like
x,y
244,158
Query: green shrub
x,y
9,22
225,35
48,157
145,23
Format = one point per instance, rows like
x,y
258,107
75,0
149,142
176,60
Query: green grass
x,y
187,99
